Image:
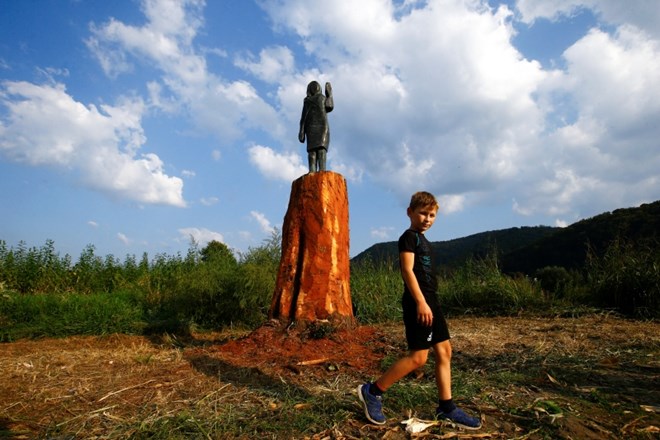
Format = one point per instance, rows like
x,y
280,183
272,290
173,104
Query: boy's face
x,y
422,218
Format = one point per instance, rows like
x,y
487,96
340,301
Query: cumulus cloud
x,y
273,63
165,41
264,223
643,14
607,154
201,236
446,115
45,126
277,166
435,95
429,94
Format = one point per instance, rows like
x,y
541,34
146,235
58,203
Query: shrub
x,y
626,277
555,281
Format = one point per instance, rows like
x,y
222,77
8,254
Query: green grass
x,y
30,316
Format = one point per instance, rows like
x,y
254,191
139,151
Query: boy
x,y
423,320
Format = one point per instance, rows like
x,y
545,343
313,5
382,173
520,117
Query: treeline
x,y
43,294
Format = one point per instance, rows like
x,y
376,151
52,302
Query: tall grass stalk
x,y
376,291
479,286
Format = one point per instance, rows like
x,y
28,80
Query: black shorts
x,y
418,336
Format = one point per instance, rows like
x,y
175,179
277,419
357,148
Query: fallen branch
x,y
313,362
123,389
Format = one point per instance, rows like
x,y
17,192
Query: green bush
x,y
555,281
626,278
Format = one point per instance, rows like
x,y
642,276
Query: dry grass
x,y
592,377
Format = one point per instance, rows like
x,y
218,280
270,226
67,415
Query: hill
x,y
453,253
526,249
568,247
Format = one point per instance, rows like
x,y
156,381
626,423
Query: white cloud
x,y
430,95
606,155
216,155
451,203
123,238
44,126
165,41
188,173
273,165
424,94
209,201
274,63
93,224
643,14
264,223
202,236
434,95
382,232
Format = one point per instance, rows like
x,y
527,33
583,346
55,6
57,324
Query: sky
x,y
139,125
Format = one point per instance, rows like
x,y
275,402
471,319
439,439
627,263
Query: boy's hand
x,y
424,314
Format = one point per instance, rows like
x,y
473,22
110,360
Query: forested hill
x,y
568,247
453,253
526,249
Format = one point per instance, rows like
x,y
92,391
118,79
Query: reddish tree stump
x,y
313,280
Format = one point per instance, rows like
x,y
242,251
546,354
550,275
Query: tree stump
x,y
313,280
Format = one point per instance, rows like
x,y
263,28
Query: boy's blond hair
x,y
423,199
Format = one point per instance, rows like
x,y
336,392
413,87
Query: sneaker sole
x,y
460,425
366,410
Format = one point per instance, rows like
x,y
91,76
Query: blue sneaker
x,y
373,406
458,417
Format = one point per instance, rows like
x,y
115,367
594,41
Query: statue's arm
x,y
329,101
301,132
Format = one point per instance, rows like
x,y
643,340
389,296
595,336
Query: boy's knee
x,y
419,358
442,351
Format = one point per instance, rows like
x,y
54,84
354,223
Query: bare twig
x,y
313,362
124,389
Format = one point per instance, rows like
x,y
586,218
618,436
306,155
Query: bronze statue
x,y
314,124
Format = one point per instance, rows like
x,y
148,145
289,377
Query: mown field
x,y
589,377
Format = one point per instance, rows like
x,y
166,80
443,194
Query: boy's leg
x,y
370,394
442,354
446,408
401,368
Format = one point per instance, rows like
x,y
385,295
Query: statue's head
x,y
313,88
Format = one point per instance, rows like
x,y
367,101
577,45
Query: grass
x,y
528,377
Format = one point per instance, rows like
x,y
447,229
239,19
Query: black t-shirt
x,y
415,242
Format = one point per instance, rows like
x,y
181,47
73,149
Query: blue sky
x,y
135,125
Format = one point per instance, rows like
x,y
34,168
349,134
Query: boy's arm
x,y
424,313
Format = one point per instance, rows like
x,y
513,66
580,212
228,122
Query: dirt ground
x,y
592,377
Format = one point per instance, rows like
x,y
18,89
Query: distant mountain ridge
x,y
526,249
452,253
568,247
